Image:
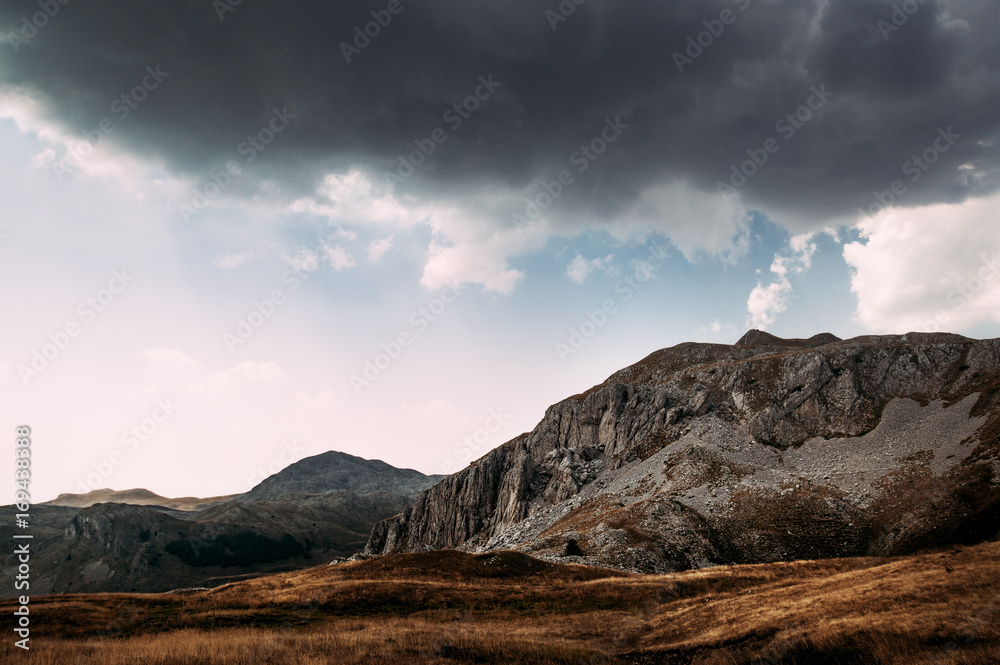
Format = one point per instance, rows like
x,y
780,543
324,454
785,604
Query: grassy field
x,y
448,607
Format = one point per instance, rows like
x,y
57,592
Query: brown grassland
x,y
449,607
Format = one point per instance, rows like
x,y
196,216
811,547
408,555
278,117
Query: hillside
x,y
505,607
318,509
766,450
136,497
335,472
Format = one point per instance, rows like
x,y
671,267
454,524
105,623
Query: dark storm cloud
x,y
892,90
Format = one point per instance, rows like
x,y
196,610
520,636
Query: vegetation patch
x,y
243,548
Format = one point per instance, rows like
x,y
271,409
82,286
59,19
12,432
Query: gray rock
x,y
766,450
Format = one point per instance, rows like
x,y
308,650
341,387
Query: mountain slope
x,y
766,450
336,471
456,608
136,497
319,508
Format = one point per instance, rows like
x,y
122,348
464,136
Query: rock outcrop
x,y
765,450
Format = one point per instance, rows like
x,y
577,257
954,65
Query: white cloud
x,y
44,158
473,239
171,363
580,268
345,234
74,154
28,113
176,373
171,371
248,373
339,258
305,260
930,268
354,198
719,328
230,261
470,248
378,247
697,223
767,301
644,268
469,262
803,247
465,248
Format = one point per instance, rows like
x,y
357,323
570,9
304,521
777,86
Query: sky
x,y
233,235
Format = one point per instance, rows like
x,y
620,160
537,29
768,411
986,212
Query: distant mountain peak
x,y
135,497
756,337
334,471
318,508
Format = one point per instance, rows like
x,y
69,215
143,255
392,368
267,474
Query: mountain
x,y
319,508
335,471
767,450
136,497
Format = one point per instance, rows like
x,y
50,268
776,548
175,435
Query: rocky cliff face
x,y
765,450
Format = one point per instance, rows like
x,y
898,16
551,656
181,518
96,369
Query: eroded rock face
x,y
119,529
765,450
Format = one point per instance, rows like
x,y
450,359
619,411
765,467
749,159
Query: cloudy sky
x,y
236,234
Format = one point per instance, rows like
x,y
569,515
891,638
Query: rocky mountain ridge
x,y
317,509
765,450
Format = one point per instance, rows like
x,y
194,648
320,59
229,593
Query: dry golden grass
x,y
446,607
